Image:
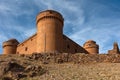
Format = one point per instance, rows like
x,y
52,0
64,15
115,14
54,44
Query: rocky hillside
x,y
60,67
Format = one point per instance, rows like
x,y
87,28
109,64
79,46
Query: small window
x,y
50,12
31,39
75,50
13,42
26,48
68,46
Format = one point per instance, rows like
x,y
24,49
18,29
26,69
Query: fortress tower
x,y
91,47
115,49
49,37
9,47
49,31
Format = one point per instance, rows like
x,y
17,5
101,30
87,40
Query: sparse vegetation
x,y
60,67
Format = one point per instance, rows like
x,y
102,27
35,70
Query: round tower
x,y
9,47
91,47
49,31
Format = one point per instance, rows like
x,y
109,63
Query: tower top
x,y
49,14
91,47
90,41
50,11
115,46
10,42
115,49
90,44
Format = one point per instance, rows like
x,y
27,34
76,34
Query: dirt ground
x,y
68,71
42,67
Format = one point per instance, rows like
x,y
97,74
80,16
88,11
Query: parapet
x,y
91,47
115,49
90,44
10,46
49,14
10,42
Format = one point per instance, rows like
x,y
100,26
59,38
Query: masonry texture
x,y
49,38
91,47
115,49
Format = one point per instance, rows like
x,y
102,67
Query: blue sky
x,y
98,20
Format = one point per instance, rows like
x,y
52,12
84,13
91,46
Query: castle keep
x,y
49,38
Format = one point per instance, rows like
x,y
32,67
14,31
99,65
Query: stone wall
x,y
49,36
28,46
72,47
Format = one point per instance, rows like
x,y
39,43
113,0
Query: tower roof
x,y
12,39
10,42
50,13
90,41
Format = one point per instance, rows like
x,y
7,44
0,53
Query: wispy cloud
x,y
2,39
84,19
103,34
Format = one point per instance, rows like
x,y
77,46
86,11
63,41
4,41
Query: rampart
x,y
28,46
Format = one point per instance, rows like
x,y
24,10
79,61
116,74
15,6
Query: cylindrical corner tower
x,y
49,31
91,47
9,47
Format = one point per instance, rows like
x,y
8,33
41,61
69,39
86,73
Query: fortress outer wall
x,y
49,38
28,46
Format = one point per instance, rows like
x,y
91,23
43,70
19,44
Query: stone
x,y
18,75
10,66
33,68
6,78
59,60
32,74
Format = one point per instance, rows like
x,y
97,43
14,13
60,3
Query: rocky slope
x,y
60,67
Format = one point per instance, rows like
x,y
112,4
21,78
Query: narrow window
x,y
50,12
26,48
75,50
13,42
68,46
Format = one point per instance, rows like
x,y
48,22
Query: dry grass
x,y
68,71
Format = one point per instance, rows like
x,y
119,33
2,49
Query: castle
x,y
49,38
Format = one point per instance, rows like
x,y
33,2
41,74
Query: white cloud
x,y
84,24
29,32
14,8
2,39
104,36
